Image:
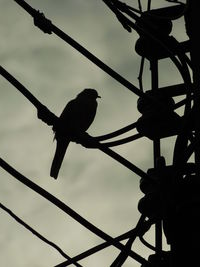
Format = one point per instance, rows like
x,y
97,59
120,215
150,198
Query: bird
x,y
75,119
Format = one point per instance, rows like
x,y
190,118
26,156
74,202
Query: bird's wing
x,y
78,114
66,120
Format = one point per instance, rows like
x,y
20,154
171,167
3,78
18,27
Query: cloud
x,y
93,184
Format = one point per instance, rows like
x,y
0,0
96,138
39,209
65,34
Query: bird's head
x,y
89,93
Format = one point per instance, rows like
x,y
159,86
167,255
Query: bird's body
x,y
75,119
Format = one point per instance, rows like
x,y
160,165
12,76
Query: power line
x,y
38,235
48,27
61,205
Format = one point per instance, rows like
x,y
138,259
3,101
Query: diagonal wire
x,y
46,26
61,205
149,5
141,73
116,133
169,45
52,28
96,249
123,140
140,228
34,232
123,161
121,258
140,5
49,118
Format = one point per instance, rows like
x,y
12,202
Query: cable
x,y
123,141
96,249
148,245
41,21
141,228
169,44
87,141
117,132
121,258
148,5
61,205
141,73
43,112
34,232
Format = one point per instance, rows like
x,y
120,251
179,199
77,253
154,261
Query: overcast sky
x,y
91,183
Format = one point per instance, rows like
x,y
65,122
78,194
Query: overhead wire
x,y
38,235
62,206
49,118
39,18
141,226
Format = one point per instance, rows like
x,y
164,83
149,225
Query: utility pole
x,y
185,243
179,190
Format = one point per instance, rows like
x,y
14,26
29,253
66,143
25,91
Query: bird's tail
x,y
58,158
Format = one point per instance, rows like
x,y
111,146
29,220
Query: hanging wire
x,y
125,162
121,258
46,115
182,102
148,245
123,141
61,205
149,5
141,74
95,249
78,47
170,47
51,119
43,112
38,235
87,140
42,22
140,5
117,132
141,228
45,25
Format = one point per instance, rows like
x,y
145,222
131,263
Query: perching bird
x,y
76,118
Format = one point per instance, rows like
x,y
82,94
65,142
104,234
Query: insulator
x,y
156,123
188,170
149,49
147,186
155,24
150,205
157,27
159,125
159,260
145,105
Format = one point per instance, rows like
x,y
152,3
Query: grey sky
x,y
90,182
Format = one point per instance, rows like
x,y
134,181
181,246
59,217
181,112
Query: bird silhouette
x,y
75,119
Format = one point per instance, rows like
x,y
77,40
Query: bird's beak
x,y
98,96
